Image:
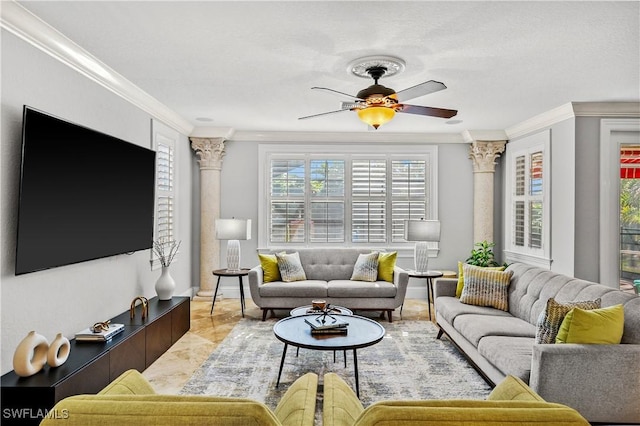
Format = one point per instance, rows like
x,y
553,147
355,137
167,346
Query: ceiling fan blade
x,y
322,113
335,91
423,110
420,90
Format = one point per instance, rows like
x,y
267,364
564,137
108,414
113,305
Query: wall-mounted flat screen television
x,y
84,195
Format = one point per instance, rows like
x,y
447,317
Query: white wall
x,y
70,298
239,198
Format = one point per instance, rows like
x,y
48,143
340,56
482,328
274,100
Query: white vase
x,y
165,285
30,355
58,351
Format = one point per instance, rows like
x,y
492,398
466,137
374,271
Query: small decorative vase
x,y
165,285
58,351
30,355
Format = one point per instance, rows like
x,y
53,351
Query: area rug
x,y
409,363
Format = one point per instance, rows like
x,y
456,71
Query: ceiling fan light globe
x,y
376,116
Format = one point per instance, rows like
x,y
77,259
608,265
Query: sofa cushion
x,y
475,327
551,318
290,267
340,405
386,264
513,388
597,326
511,355
310,289
131,382
360,289
450,308
269,264
483,287
297,407
366,267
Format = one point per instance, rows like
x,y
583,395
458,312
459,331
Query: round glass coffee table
x,y
362,332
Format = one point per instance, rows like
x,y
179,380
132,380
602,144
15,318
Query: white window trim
x,y
268,150
610,197
539,257
162,134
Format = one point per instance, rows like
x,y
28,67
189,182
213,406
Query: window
x,y
527,205
344,198
164,231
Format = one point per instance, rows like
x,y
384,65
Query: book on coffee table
x,y
330,323
336,330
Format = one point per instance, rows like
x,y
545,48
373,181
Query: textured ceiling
x,y
250,65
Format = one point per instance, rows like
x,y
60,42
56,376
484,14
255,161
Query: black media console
x,y
93,365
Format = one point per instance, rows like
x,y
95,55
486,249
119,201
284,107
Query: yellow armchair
x,y
130,400
511,402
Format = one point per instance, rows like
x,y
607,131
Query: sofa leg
x,y
440,333
390,315
264,314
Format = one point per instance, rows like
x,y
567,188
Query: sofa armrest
x,y
256,279
444,287
401,281
600,381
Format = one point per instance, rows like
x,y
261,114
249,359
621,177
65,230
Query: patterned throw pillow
x,y
484,287
366,268
290,267
386,263
551,318
460,285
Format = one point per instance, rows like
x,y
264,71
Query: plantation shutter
x,y
287,201
327,201
408,194
368,208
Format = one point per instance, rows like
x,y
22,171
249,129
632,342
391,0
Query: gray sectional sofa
x,y
328,272
602,382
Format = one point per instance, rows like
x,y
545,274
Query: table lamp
x,y
422,232
233,230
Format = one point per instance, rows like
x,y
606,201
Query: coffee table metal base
x,y
355,366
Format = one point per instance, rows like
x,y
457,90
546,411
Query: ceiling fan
x,y
377,104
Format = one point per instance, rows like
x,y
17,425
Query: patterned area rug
x,y
409,363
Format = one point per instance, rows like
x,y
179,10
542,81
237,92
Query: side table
x,y
228,273
429,276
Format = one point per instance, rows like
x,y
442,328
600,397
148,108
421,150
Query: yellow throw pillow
x,y
461,275
269,263
602,326
386,263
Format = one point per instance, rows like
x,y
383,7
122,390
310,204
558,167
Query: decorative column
x,y
210,151
484,154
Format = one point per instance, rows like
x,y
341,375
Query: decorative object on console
x,y
166,252
58,351
144,302
233,230
99,334
422,232
30,355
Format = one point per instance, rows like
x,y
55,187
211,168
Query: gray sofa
x,y
602,382
328,272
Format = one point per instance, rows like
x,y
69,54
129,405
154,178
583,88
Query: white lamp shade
x,y
422,230
233,229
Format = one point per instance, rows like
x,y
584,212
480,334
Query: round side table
x,y
229,273
429,276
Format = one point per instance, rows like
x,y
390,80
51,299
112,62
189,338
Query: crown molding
x,y
572,110
471,136
25,25
348,137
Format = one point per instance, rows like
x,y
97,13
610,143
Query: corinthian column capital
x,y
484,154
210,151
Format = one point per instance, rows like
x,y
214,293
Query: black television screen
x,y
83,194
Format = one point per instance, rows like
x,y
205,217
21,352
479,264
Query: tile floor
x,y
172,370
